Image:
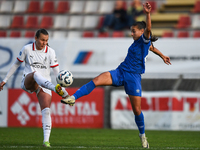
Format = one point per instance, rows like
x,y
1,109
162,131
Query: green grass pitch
x,y
97,139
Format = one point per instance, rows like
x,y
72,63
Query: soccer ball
x,y
65,78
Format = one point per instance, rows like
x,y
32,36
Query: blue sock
x,y
139,120
84,90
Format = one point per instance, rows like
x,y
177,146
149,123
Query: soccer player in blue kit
x,y
128,73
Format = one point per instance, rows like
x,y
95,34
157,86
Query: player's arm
x,y
12,69
55,70
166,59
147,10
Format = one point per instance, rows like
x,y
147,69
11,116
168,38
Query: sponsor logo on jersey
x,y
38,65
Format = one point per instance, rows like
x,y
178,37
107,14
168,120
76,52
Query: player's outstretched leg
x,y
69,100
84,90
47,84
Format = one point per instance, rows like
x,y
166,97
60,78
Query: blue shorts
x,y
130,81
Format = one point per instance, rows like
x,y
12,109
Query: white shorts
x,y
24,88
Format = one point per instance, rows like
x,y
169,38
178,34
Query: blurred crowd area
x,y
97,18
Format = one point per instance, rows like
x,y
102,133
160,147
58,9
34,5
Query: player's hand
x,y
147,7
1,85
166,60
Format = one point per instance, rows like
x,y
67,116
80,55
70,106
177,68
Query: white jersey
x,y
38,60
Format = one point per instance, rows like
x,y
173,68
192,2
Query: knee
x,y
137,110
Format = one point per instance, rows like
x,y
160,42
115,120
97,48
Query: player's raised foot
x,y
59,90
144,142
46,144
68,100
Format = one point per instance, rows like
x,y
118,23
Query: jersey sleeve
x,y
22,55
145,40
53,59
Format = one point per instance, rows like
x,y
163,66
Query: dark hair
x,y
43,31
142,25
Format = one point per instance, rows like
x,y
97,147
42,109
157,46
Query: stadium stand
x,y
184,22
90,22
5,21
87,15
196,21
196,7
74,34
168,34
183,34
106,7
18,22
91,7
63,7
32,22
20,6
46,22
117,34
29,34
59,34
3,34
6,6
75,22
103,34
60,22
34,7
48,7
15,34
88,34
196,34
76,7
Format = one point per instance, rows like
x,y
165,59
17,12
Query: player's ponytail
x,y
153,39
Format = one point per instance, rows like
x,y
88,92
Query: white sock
x,y
142,134
46,123
65,92
43,81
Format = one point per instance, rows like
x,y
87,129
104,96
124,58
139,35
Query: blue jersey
x,y
136,57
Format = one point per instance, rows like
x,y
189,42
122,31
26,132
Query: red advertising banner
x,y
24,110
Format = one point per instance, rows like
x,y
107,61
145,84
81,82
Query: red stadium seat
x,y
29,34
34,7
184,22
103,34
153,5
63,7
196,7
168,34
183,34
88,34
196,34
48,7
18,22
3,34
15,34
46,22
32,22
100,23
117,34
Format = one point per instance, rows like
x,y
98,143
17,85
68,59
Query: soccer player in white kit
x,y
39,58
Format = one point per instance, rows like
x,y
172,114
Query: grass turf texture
x,y
97,139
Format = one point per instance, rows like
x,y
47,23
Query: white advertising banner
x,y
89,57
162,110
